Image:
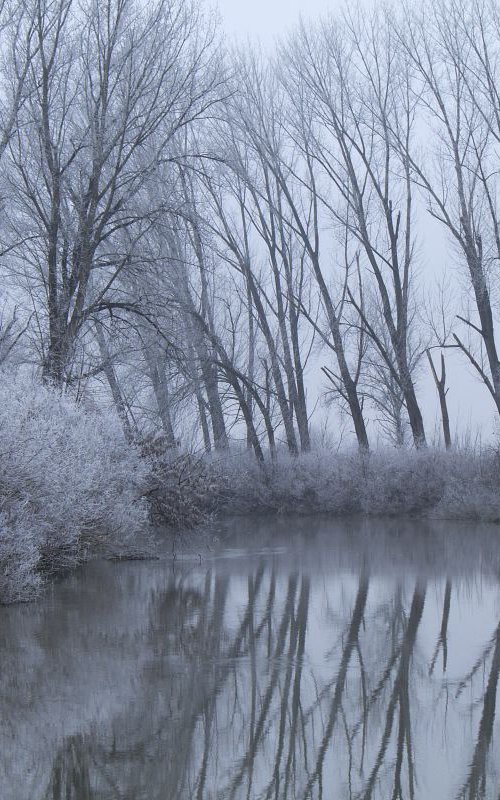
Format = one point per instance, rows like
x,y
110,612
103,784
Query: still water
x,y
289,659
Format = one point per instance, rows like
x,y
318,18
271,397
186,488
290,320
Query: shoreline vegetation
x,y
72,488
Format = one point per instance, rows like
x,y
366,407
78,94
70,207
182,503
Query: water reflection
x,y
307,660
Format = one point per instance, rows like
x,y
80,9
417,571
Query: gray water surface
x,y
303,658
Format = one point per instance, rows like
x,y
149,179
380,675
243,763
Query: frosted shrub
x,y
472,489
403,482
185,490
318,482
70,486
19,558
460,484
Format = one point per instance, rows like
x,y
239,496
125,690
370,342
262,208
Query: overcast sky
x,y
265,20
471,407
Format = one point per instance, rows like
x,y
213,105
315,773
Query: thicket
x,y
460,484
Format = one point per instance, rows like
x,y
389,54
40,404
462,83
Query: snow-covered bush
x,y
403,481
316,482
471,486
460,484
70,486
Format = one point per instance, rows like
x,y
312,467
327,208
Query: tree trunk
x,y
349,384
203,420
251,355
121,408
157,373
415,416
281,396
442,392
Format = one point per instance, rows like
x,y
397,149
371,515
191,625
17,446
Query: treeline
x,y
190,234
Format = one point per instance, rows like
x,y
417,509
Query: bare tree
x,y
19,45
451,50
294,200
235,248
111,87
357,93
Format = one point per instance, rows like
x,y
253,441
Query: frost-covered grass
x,y
456,485
70,487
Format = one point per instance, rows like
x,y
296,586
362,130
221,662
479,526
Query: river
x,y
283,658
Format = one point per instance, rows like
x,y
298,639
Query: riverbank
x,y
71,488
459,485
456,485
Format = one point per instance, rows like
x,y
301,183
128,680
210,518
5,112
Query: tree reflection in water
x,y
260,678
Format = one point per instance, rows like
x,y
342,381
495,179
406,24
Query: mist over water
x,y
300,658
